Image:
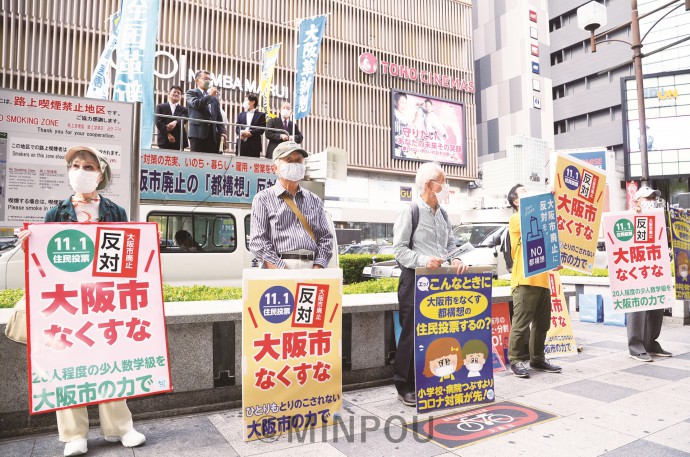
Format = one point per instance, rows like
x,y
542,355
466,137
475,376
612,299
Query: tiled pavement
x,y
606,403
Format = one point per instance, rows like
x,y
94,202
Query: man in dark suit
x,y
203,103
282,122
171,133
249,139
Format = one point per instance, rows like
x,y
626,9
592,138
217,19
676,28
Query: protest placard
x,y
639,266
559,339
453,337
579,190
540,246
500,329
291,350
95,314
680,240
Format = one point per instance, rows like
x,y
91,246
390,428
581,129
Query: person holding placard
x,y
89,172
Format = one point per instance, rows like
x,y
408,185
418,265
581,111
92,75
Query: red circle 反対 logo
x,y
368,63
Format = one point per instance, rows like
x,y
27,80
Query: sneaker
x,y
76,447
519,369
408,399
545,365
130,439
644,357
661,353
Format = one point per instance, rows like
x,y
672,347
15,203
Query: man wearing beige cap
x,y
289,226
644,327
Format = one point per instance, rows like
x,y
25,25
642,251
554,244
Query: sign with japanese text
x,y
680,240
311,32
427,128
36,130
291,350
96,324
500,329
637,254
135,49
453,356
580,189
559,339
199,177
540,246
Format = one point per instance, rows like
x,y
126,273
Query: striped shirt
x,y
432,238
275,228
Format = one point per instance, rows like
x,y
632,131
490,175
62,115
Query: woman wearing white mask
x,y
89,172
423,244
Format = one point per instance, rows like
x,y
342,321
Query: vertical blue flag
x,y
136,46
100,79
310,36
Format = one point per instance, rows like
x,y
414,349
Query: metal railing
x,y
183,120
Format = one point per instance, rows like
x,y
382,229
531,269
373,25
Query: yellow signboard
x,y
580,189
291,350
559,339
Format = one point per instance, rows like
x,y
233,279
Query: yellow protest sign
x,y
579,195
559,339
291,350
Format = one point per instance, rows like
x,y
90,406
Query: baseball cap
x,y
646,192
99,158
285,148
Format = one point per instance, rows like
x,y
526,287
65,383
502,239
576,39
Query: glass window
x,y
196,232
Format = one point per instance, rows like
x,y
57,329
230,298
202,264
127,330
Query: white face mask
x,y
443,371
285,113
291,171
474,366
245,105
83,182
443,193
683,274
651,204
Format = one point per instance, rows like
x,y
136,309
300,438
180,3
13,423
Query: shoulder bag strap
x,y
291,203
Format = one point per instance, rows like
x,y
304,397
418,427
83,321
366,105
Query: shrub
x,y
353,264
200,293
374,286
9,297
597,273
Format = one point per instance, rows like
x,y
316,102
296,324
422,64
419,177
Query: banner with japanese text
x,y
269,57
135,50
291,350
100,78
36,130
680,240
200,177
452,340
540,246
96,324
500,329
311,32
579,190
639,265
559,339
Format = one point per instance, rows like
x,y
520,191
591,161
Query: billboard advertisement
x,y
427,129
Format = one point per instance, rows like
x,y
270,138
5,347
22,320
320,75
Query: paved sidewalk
x,y
606,403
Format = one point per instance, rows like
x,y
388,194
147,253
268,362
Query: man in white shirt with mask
x,y
284,123
289,227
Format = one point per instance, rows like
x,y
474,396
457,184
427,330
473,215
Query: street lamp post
x,y
592,16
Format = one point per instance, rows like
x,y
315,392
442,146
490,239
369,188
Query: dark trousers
x,y
644,327
204,145
531,306
404,356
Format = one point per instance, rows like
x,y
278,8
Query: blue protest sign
x,y
453,361
540,245
310,36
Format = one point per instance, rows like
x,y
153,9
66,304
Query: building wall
x,y
52,46
508,101
669,29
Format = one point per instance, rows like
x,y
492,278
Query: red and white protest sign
x,y
96,325
638,259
